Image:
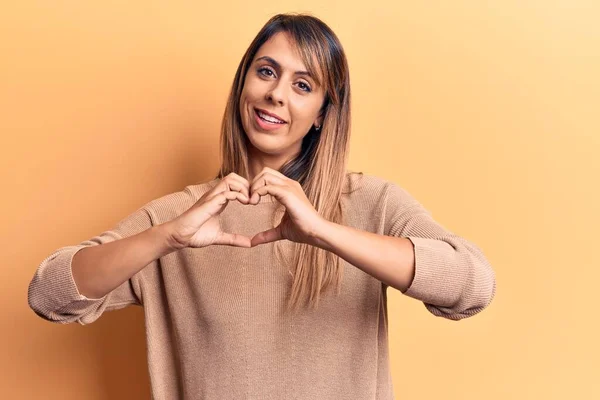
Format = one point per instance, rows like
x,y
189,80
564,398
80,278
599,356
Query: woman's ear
x,y
319,121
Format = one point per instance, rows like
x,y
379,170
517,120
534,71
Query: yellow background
x,y
486,111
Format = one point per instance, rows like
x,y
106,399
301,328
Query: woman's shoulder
x,y
369,191
359,184
365,200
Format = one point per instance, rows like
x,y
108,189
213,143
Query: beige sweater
x,y
215,326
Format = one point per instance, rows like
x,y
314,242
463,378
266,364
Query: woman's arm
x,y
389,259
98,270
449,274
78,283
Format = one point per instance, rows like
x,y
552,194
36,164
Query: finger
x,y
231,181
273,172
233,239
280,192
227,196
265,171
218,203
240,179
268,236
226,186
212,192
265,180
238,187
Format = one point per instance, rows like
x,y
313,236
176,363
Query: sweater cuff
x,y
439,276
59,276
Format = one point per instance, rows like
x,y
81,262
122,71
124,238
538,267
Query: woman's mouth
x,y
267,122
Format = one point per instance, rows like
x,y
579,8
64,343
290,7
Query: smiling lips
x,y
266,120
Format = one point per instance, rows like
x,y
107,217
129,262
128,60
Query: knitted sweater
x,y
215,321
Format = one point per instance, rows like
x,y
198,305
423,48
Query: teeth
x,y
269,118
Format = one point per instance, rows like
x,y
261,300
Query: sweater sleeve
x,y
452,278
53,294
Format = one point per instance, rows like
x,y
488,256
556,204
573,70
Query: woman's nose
x,y
276,94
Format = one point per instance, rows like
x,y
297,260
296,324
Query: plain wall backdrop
x,y
486,111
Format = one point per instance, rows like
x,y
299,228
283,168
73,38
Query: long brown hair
x,y
321,165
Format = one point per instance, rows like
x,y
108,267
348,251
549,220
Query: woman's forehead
x,y
283,49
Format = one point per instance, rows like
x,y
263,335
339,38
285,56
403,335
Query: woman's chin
x,y
265,143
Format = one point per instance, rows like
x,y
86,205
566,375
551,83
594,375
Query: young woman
x,y
237,275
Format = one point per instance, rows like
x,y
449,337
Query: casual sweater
x,y
216,326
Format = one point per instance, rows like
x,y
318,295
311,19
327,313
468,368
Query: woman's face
x,y
278,85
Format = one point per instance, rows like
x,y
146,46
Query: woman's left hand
x,y
300,223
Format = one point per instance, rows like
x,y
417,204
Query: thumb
x,y
270,235
233,239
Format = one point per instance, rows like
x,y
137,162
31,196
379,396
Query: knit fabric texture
x,y
216,326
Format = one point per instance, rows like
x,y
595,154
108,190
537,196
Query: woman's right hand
x,y
199,226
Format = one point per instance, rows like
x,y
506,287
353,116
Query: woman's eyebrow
x,y
277,65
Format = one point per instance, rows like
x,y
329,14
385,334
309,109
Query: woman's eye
x,y
304,86
264,70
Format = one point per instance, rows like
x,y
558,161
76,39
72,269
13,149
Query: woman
x,y
235,274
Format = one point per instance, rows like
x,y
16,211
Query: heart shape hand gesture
x,y
199,226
